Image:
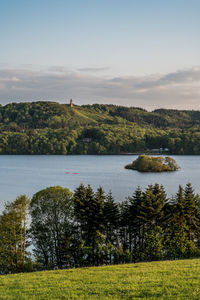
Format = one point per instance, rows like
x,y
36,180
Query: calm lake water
x,y
27,174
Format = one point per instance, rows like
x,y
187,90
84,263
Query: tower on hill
x,y
71,103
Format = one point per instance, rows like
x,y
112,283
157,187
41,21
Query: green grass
x,y
90,115
155,280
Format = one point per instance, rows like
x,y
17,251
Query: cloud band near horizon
x,y
179,90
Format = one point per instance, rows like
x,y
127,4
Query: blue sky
x,y
102,51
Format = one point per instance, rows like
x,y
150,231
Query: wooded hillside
x,y
53,128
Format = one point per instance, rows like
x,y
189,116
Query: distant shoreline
x,y
98,154
60,129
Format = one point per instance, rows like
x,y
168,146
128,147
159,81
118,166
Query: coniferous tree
x,y
89,214
151,213
124,236
111,221
153,249
191,211
152,206
90,228
136,224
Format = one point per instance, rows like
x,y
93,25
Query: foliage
x,y
88,228
86,206
51,215
13,236
147,163
53,128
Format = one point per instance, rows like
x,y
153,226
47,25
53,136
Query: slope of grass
x,y
91,116
155,280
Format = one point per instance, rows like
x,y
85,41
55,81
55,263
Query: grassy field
x,y
155,280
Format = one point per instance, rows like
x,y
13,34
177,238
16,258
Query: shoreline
x,y
99,154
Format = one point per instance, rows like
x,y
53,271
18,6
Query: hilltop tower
x,y
71,103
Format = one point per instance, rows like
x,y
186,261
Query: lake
x,y
27,174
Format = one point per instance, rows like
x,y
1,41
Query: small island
x,y
148,163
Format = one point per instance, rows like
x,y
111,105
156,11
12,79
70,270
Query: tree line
x,y
89,228
53,128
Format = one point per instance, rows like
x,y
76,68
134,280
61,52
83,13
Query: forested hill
x,y
53,128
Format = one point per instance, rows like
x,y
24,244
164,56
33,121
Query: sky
x,y
142,53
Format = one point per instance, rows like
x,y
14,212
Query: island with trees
x,y
148,163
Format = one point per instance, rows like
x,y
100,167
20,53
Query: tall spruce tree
x,y
151,213
111,222
124,237
136,224
191,211
89,214
152,206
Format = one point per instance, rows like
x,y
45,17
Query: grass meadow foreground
x,y
155,280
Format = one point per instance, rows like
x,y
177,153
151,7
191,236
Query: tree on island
x,y
148,163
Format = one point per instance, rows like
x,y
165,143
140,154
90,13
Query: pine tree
x,y
191,211
186,210
79,202
183,229
124,236
152,206
89,214
136,225
153,249
179,205
111,222
151,213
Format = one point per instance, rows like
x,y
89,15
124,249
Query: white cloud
x,y
93,70
180,89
